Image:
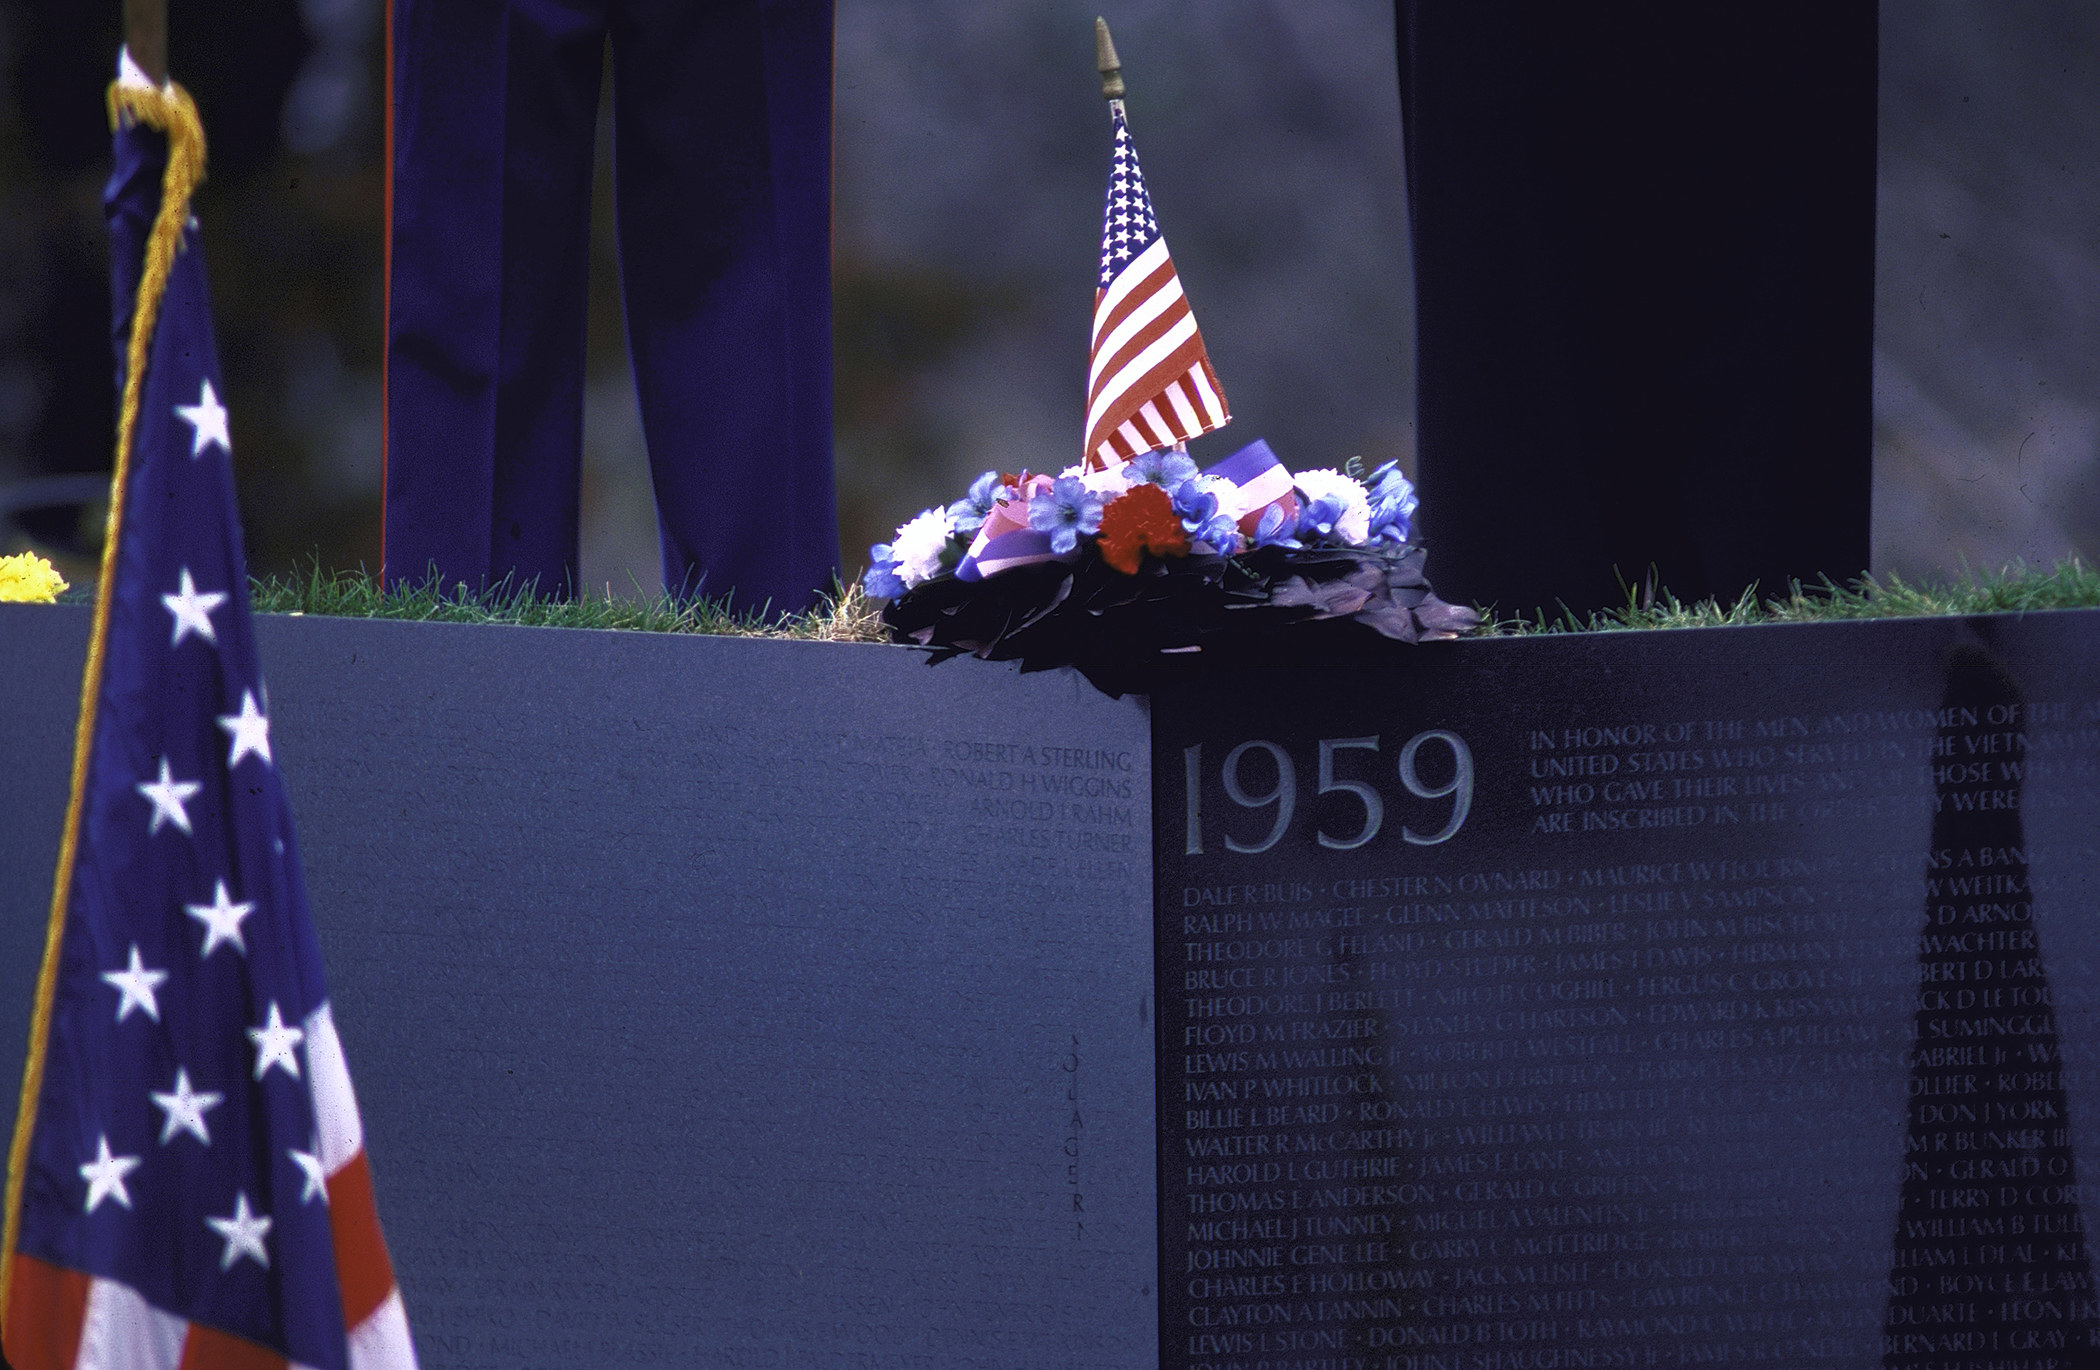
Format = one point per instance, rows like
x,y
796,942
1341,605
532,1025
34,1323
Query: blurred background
x,y
971,156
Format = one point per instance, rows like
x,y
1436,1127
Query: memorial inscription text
x,y
1522,1039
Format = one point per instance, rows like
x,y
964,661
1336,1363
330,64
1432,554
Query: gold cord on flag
x,y
170,110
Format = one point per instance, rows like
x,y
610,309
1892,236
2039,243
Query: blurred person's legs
x,y
1644,274
722,118
495,103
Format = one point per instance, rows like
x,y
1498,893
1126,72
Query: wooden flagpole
x,y
168,108
146,37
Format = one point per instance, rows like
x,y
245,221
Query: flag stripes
x,y
64,1320
48,1314
1149,379
122,1329
362,1269
1120,312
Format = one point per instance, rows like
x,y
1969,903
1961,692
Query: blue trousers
x,y
722,174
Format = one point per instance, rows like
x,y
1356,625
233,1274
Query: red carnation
x,y
1141,520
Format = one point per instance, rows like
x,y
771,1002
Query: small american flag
x,y
190,1185
1149,382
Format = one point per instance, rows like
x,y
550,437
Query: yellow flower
x,y
27,578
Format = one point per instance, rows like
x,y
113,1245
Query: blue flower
x,y
1222,534
1201,518
882,580
1192,502
1388,483
1065,511
1319,517
1276,529
1169,468
1393,503
969,512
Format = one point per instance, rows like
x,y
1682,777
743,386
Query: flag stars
x,y
207,420
274,1044
243,1232
250,731
222,921
192,611
309,1163
185,1109
168,796
105,1176
136,984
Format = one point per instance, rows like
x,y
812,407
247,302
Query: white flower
x,y
1107,484
1354,526
919,545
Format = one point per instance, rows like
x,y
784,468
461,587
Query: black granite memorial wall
x,y
1627,1000
710,1002
1647,999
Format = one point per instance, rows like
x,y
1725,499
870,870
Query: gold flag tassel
x,y
170,110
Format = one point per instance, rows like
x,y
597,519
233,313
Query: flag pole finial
x,y
1105,59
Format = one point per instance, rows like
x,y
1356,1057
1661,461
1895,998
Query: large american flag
x,y
1149,382
193,1189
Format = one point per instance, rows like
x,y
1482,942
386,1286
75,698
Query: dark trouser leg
x,y
1644,250
723,128
494,110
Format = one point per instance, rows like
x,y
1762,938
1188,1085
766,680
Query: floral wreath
x,y
1107,567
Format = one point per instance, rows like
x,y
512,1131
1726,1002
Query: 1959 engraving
x,y
1282,791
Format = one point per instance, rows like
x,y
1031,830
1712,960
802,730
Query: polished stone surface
x,y
710,1002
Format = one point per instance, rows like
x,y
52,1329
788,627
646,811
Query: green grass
x,y
2015,588
846,616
